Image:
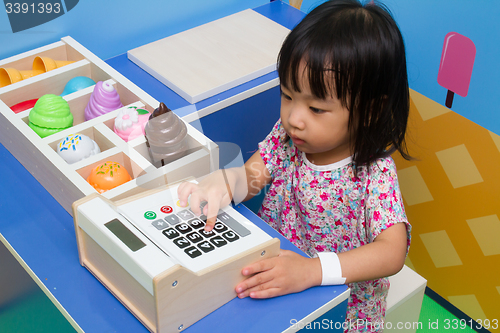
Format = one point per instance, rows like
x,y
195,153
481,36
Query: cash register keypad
x,y
187,232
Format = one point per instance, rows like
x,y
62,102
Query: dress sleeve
x,y
385,204
274,149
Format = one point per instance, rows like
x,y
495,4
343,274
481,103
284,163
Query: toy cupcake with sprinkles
x,y
76,147
107,176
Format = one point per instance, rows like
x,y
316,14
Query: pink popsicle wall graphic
x,y
455,69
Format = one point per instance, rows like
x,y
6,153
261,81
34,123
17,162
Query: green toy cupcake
x,y
50,115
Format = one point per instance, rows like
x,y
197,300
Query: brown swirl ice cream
x,y
165,136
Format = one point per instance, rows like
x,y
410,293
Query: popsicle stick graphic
x,y
455,69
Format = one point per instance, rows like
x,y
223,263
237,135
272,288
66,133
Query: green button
x,y
150,215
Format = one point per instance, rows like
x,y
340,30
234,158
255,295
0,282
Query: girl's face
x,y
318,127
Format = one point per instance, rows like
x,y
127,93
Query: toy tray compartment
x,y
67,182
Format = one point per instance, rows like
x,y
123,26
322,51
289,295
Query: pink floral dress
x,y
327,208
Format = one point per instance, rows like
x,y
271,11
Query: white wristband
x,y
330,269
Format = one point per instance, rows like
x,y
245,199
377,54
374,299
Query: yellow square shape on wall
x,y
413,186
440,249
496,139
426,107
459,166
486,230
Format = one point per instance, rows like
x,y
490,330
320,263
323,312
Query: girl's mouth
x,y
297,141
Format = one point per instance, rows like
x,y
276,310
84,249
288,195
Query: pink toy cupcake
x,y
104,99
130,123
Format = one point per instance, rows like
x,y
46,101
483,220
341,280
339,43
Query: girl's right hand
x,y
223,186
214,190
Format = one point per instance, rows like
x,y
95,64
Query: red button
x,y
166,209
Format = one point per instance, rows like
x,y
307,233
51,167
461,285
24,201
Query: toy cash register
x,y
156,258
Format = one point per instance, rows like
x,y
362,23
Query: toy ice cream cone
x,y
46,64
12,75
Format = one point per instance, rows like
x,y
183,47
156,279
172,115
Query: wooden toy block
x,y
214,57
67,182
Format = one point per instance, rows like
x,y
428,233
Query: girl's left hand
x,y
288,273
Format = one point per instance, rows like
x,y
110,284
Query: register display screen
x,y
125,235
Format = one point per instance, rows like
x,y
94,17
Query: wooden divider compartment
x,y
102,141
120,157
77,103
57,51
141,147
51,82
67,182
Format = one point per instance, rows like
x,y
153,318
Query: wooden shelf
x,y
67,182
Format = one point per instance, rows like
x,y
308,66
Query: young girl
x,y
333,185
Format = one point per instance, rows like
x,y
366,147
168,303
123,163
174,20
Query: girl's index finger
x,y
210,210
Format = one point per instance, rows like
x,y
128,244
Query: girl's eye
x,y
285,96
315,110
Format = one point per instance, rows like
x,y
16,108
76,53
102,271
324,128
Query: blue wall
x,y
112,27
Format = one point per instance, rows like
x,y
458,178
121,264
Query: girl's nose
x,y
295,117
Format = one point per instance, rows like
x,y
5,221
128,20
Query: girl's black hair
x,y
362,47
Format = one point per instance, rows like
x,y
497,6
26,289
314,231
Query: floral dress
x,y
327,208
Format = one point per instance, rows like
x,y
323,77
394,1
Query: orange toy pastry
x,y
108,175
